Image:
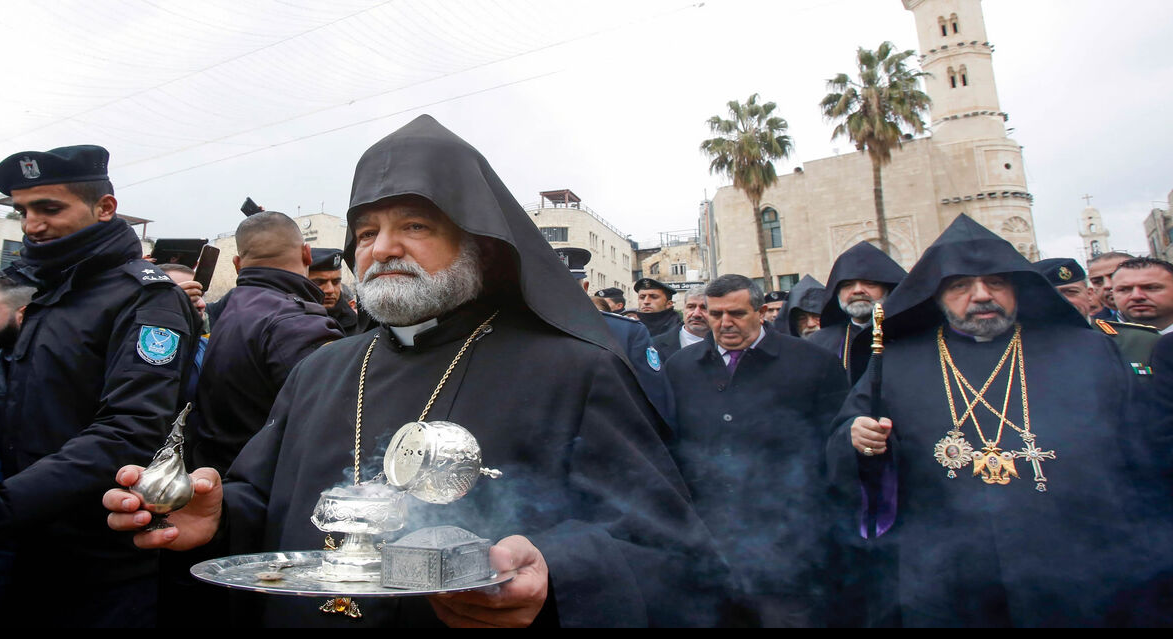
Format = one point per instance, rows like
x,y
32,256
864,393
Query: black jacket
x,y
95,381
272,321
750,447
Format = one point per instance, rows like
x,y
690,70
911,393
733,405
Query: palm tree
x,y
874,109
747,145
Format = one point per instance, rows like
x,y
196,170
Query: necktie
x,y
733,357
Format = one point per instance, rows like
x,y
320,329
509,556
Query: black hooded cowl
x,y
423,158
968,248
807,296
860,262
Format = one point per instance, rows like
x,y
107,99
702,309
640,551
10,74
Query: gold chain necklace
x,y
346,605
846,343
362,377
994,465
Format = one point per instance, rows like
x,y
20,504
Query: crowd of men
x,y
995,452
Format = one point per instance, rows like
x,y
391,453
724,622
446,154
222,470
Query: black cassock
x,y
586,477
968,553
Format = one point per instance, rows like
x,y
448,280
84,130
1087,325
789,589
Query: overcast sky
x,y
204,103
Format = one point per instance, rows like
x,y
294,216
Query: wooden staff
x,y
877,357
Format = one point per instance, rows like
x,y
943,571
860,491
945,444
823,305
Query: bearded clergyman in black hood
x,y
1007,449
590,508
861,277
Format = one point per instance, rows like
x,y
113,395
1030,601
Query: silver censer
x,y
437,462
164,485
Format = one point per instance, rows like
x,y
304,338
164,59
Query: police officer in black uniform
x,y
95,381
272,321
636,342
326,272
1135,341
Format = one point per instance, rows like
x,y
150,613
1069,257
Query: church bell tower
x,y
981,169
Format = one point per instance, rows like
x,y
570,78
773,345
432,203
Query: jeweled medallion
x,y
995,466
953,452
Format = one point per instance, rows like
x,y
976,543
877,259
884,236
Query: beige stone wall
x,y
828,207
612,257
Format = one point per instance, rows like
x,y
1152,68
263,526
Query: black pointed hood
x,y
860,262
807,296
425,159
968,248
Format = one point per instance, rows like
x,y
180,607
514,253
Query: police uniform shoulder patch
x,y
1144,327
653,358
146,273
157,345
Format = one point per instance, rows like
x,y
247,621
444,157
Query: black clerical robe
x,y
585,475
968,553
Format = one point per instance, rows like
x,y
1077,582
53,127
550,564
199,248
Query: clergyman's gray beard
x,y
861,310
983,328
406,301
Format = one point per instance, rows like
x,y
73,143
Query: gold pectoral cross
x,y
995,466
1035,456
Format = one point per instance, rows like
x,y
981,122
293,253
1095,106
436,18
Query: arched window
x,y
952,78
771,228
944,27
1096,250
953,22
964,76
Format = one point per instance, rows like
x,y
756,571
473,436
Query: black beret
x,y
775,296
27,169
326,259
1060,270
609,292
575,259
648,282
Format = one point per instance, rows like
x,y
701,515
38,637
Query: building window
x,y
964,76
602,281
626,261
614,254
679,268
555,233
594,240
954,23
1096,248
952,77
654,269
944,27
771,228
787,282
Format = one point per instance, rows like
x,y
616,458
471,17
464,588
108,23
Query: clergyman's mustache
x,y
984,307
393,266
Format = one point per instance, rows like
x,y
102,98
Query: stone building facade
x,y
566,222
677,261
1158,228
967,164
1093,233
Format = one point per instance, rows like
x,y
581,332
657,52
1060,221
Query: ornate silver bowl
x,y
437,462
360,512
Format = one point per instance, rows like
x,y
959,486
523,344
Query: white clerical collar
x,y
406,334
761,335
863,325
688,339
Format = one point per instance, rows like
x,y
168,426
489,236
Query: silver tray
x,y
298,572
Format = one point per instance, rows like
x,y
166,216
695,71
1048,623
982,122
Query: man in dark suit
x,y
754,408
696,325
